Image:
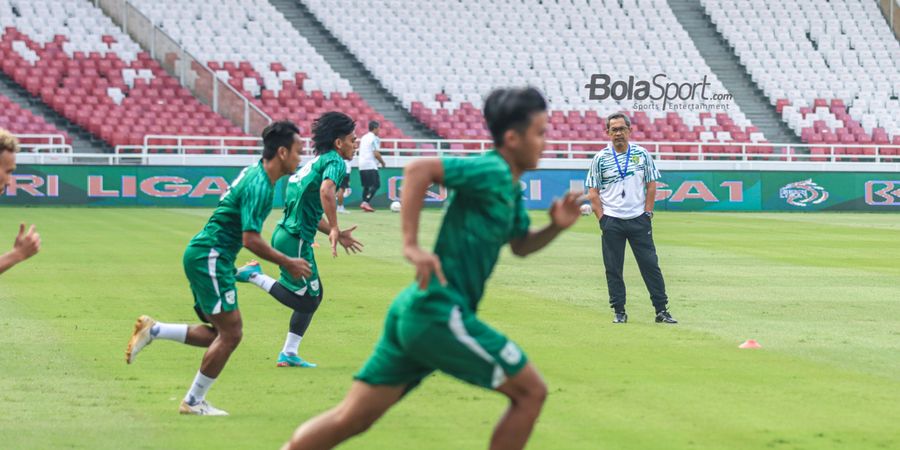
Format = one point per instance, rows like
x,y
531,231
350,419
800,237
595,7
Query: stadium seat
x,y
818,71
98,77
237,39
552,46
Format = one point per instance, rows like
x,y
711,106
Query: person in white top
x,y
369,160
622,189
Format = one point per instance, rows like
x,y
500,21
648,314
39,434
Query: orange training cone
x,y
750,343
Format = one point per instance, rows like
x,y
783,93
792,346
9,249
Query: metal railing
x,y
52,143
686,151
223,98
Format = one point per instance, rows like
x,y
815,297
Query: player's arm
x,y
27,244
597,202
417,176
253,215
563,213
323,226
254,242
377,151
327,194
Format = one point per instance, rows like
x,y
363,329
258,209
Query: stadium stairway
x,y
82,140
344,63
726,65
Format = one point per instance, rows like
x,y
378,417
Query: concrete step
x,y
727,67
349,67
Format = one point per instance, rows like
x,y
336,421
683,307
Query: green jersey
x,y
243,207
302,203
485,211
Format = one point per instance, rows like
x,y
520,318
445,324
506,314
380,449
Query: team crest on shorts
x,y
314,284
511,353
803,193
229,297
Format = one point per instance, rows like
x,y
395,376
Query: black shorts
x,y
369,178
346,183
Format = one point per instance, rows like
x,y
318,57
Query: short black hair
x,y
511,108
276,135
329,127
618,115
374,125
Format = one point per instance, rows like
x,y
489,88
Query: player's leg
x,y
304,307
375,183
303,296
387,375
472,351
613,247
641,240
212,282
147,329
363,405
369,178
340,200
526,392
230,331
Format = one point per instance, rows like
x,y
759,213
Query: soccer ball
x,y
395,207
586,210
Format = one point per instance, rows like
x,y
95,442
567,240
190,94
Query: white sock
x,y
171,331
263,281
201,385
291,344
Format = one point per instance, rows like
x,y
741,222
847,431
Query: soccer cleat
x,y
200,409
286,360
140,337
342,210
366,207
621,317
665,317
245,272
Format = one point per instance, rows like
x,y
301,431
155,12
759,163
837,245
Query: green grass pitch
x,y
820,292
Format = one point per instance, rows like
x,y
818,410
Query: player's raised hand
x,y
349,243
27,243
564,212
426,263
298,268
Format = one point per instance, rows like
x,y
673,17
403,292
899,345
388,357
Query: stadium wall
x,y
678,190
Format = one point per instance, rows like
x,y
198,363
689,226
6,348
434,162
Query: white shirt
x,y
622,197
368,145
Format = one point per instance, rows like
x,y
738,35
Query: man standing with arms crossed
x,y
622,189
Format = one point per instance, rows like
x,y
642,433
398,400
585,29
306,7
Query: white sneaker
x,y
342,210
140,338
200,409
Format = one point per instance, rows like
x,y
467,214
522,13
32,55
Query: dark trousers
x,y
639,233
370,183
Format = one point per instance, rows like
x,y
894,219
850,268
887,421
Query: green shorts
x,y
433,331
292,246
212,280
